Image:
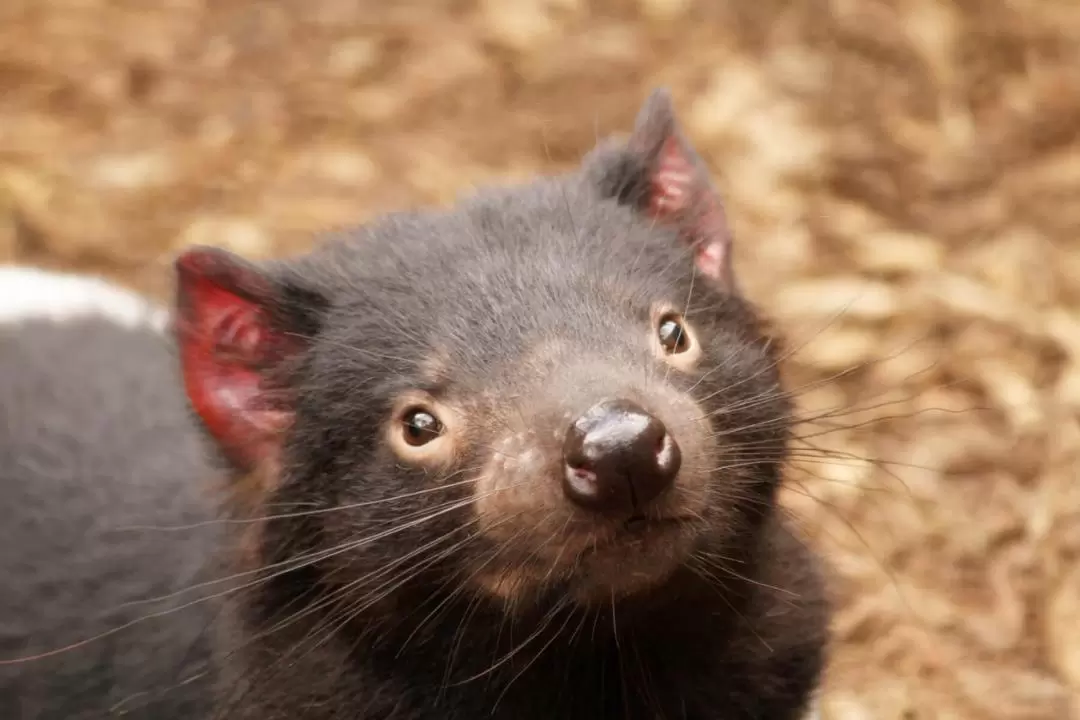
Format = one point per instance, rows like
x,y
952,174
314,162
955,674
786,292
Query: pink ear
x,y
228,342
678,190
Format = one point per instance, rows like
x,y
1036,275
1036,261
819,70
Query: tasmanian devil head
x,y
552,388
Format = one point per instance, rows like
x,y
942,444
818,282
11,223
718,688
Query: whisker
x,y
362,603
542,626
313,558
310,513
317,555
554,636
726,601
461,584
778,361
717,563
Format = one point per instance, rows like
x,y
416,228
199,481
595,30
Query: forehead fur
x,y
515,263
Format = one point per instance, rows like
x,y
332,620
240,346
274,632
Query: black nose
x,y
618,457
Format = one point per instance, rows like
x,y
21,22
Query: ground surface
x,y
904,180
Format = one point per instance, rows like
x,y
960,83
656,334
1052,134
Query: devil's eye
x,y
419,427
673,336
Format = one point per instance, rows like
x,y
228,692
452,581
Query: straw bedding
x,y
904,182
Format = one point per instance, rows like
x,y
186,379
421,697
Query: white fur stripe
x,y
29,293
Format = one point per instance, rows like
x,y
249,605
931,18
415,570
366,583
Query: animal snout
x,y
618,457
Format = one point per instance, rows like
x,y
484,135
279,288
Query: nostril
x,y
581,484
664,447
581,473
668,459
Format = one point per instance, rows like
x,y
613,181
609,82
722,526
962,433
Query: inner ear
x,y
661,175
240,330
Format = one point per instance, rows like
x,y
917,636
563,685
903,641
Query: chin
x,y
632,560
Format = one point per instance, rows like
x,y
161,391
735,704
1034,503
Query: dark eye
x,y
421,427
672,334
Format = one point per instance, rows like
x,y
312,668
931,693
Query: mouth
x,y
641,524
641,531
632,556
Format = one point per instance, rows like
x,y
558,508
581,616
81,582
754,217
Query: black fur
x,y
95,439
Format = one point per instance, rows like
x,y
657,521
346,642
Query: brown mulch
x,y
904,181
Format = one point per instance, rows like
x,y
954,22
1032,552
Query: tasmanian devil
x,y
516,459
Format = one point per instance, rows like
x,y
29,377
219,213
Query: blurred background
x,y
904,182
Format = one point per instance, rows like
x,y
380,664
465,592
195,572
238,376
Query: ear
x,y
238,327
662,176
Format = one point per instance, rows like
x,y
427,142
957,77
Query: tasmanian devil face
x,y
552,389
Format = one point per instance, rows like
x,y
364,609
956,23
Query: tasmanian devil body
x,y
96,448
517,459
